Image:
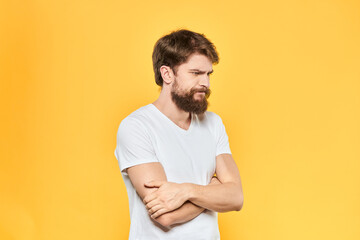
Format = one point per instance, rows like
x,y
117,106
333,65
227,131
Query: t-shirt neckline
x,y
174,124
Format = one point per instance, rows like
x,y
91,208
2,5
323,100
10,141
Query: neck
x,y
165,104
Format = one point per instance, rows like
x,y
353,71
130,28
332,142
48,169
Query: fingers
x,y
149,198
154,209
151,204
159,213
152,184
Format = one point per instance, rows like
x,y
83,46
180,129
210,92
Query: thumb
x,y
152,184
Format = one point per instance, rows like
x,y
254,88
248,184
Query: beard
x,y
186,101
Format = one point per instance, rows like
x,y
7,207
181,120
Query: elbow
x,y
238,207
239,203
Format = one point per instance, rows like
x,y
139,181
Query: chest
x,y
187,157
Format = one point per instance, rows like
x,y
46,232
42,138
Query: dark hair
x,y
175,48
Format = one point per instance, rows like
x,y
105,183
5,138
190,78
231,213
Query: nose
x,y
205,81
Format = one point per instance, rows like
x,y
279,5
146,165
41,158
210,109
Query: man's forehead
x,y
198,62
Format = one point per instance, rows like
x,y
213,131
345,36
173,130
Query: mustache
x,y
207,91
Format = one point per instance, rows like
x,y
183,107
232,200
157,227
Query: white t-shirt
x,y
147,135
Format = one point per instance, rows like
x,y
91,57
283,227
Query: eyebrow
x,y
198,70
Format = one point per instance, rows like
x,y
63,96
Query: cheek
x,y
185,86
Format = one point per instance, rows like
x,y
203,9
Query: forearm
x,y
186,212
219,197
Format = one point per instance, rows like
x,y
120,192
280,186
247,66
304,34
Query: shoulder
x,y
137,117
136,120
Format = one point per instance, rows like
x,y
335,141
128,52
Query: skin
x,y
169,203
224,197
142,173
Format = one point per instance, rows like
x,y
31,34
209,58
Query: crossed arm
x,y
170,203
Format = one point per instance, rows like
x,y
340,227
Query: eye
x,y
196,73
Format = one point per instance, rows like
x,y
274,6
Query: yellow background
x,y
287,88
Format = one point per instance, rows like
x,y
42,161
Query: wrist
x,y
188,191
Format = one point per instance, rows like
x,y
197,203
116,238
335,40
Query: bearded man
x,y
173,154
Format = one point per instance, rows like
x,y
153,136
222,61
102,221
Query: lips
x,y
201,91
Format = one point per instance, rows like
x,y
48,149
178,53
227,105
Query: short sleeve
x,y
222,145
133,144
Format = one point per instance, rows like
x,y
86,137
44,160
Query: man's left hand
x,y
167,198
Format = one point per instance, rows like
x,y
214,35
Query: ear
x,y
167,74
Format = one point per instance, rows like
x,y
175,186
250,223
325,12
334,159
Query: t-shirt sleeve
x,y
222,145
133,144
